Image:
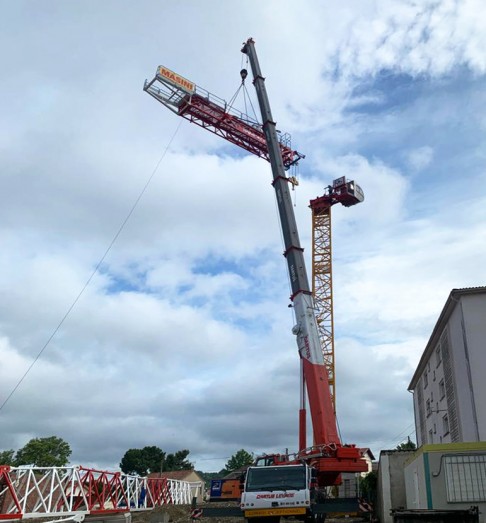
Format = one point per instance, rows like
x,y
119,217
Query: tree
x,y
241,459
7,457
152,459
142,461
208,476
44,452
132,462
368,486
177,461
408,445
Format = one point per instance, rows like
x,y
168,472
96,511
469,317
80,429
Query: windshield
x,y
276,478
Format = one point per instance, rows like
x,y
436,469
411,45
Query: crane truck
x,y
279,484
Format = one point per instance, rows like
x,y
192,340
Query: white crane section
x,y
33,492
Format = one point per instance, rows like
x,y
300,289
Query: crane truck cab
x,y
272,492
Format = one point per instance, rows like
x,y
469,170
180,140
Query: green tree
x,y
241,459
368,486
208,476
142,461
178,461
154,458
132,462
44,452
7,457
408,445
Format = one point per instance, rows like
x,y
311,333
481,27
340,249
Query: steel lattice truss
x,y
215,115
322,285
27,492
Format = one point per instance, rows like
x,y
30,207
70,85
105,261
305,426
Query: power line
x,y
210,459
397,437
98,265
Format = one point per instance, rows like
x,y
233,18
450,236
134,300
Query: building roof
x,y
367,451
180,475
447,310
236,474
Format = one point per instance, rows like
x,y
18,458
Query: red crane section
x,y
212,113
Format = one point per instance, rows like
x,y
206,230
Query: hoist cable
x,y
230,103
249,99
244,99
95,270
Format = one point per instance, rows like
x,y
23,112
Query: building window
x,y
445,425
426,379
428,410
347,488
465,478
441,388
431,436
438,356
431,395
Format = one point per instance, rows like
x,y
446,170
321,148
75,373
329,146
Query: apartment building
x,y
449,384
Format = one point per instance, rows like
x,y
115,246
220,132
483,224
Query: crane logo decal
x,y
175,79
273,496
292,273
307,348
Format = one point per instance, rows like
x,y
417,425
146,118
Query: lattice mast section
x,y
322,285
347,193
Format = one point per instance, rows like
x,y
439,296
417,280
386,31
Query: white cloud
x,y
182,339
420,158
430,38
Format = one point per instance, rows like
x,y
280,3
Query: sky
x,y
142,280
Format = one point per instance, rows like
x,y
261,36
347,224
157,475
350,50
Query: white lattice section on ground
x,y
27,492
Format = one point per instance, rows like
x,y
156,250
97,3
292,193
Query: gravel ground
x,y
181,514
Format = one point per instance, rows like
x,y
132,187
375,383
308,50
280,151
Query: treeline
x,y
153,459
39,452
55,452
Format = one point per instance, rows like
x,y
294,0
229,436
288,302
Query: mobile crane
x,y
279,485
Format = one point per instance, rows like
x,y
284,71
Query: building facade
x,y
449,384
447,477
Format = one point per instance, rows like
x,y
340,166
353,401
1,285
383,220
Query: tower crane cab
x,y
348,193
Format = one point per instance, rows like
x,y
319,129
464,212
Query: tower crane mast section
x,y
347,193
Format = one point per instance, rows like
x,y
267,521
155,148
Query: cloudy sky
x,y
182,336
